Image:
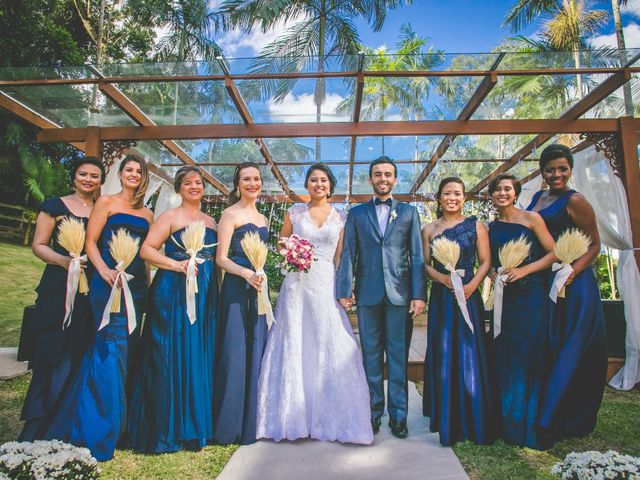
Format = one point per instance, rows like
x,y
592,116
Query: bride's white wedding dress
x,y
312,382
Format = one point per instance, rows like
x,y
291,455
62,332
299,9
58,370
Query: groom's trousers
x,y
386,329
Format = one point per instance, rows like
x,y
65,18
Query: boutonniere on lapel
x,y
393,216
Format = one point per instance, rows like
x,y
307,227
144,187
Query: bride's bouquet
x,y
298,253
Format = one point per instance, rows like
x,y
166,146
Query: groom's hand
x,y
346,303
416,307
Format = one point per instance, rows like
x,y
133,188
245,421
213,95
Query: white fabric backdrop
x,y
167,198
112,183
595,179
528,190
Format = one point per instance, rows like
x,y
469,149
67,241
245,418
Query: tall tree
x,y
617,21
320,31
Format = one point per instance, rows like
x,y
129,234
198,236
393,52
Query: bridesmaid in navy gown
x,y
57,351
171,404
92,410
456,375
520,353
241,333
576,383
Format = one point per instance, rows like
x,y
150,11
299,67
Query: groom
x,y
383,250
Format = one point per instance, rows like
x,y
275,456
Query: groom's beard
x,y
380,192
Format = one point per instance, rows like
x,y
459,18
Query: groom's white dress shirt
x,y
382,212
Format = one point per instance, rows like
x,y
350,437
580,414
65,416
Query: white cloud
x,y
631,8
300,108
233,41
631,38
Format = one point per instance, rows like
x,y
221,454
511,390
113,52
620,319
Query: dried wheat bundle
x,y
256,251
571,245
446,251
71,235
487,293
123,248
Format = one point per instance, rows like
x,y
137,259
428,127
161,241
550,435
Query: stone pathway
x,y
420,456
9,366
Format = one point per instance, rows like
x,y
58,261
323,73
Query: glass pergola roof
x,y
470,115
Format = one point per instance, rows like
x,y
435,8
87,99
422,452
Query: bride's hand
x,y
346,303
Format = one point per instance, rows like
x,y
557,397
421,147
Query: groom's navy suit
x,y
389,273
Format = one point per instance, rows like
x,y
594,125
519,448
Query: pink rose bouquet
x,y
298,254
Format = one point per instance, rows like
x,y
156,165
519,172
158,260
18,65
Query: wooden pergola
x,y
617,136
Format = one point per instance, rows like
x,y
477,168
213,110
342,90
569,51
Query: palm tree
x,y
322,31
617,20
567,24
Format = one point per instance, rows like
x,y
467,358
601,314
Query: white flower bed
x,y
46,460
598,466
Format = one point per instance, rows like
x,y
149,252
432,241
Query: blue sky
x,y
455,26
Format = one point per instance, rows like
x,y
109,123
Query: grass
x,y
20,273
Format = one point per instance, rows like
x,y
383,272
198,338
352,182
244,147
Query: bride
x,y
312,382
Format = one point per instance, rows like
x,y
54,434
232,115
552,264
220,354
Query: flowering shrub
x,y
298,254
46,459
597,465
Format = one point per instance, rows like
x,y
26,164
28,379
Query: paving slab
x,y
420,456
9,366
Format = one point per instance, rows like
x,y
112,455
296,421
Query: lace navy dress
x,y
93,409
57,351
576,383
171,404
241,337
457,385
519,354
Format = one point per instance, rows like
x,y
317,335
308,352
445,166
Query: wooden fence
x,y
16,223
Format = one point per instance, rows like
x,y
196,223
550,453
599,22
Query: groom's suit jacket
x,y
392,263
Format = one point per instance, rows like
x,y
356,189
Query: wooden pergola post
x,y
631,177
92,142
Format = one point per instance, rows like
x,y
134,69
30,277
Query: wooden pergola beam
x,y
137,115
466,113
581,107
337,129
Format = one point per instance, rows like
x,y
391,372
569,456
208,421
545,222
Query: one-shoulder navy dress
x,y
456,375
519,355
93,410
171,407
241,338
57,351
576,382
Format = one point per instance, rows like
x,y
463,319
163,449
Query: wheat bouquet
x,y
510,255
571,245
256,251
192,239
71,235
447,252
123,248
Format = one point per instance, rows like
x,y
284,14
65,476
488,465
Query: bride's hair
x,y
327,171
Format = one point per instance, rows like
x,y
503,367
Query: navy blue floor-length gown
x,y
241,338
57,352
456,375
519,355
171,404
93,409
575,385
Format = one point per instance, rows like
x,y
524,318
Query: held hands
x,y
347,303
416,307
66,262
108,275
570,279
253,279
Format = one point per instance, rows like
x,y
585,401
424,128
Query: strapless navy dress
x,y
241,337
519,355
457,385
575,385
171,407
93,409
57,352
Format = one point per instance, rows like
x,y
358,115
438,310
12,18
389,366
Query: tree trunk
x,y
320,93
617,20
99,47
612,275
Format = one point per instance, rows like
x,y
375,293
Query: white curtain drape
x,y
167,198
595,179
528,191
112,183
155,182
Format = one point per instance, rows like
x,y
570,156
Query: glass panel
x,y
332,149
161,69
407,174
46,73
231,151
470,173
397,148
70,105
225,175
485,147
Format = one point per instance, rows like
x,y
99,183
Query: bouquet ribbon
x,y
498,293
563,272
122,278
192,284
264,305
73,281
458,290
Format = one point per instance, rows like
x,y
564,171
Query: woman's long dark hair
x,y
443,183
234,196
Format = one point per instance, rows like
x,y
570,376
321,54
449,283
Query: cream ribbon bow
x,y
73,281
563,272
498,293
192,284
458,290
264,299
122,278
